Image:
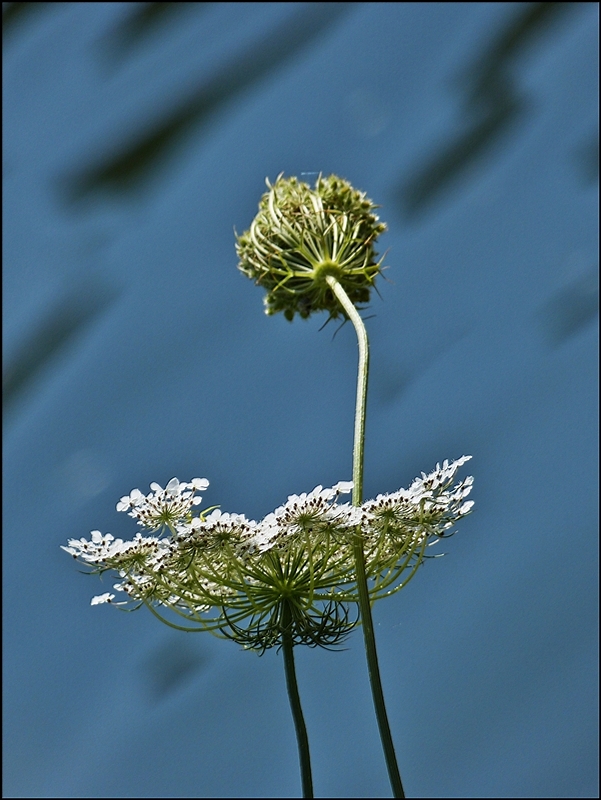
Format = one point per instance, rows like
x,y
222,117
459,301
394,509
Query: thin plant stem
x,y
295,704
364,601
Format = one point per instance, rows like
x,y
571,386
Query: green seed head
x,y
301,235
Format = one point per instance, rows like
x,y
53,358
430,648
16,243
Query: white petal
x,y
102,598
173,486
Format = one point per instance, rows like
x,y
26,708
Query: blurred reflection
x,y
144,20
62,325
587,157
572,308
170,665
491,106
127,169
84,475
367,112
14,14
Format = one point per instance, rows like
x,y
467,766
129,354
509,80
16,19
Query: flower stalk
x,y
357,498
295,705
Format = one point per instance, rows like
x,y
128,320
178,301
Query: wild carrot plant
x,y
309,571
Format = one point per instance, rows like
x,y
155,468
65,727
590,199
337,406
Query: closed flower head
x,y
301,235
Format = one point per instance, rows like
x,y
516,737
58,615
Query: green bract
x,y
301,235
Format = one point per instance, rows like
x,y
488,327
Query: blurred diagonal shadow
x,y
571,309
492,106
15,14
170,665
128,169
64,323
587,160
145,19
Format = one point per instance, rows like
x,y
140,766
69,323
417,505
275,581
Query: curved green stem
x,y
295,705
364,601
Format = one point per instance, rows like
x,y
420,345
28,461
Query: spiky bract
x,y
301,235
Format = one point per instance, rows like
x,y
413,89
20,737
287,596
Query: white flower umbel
x,y
216,529
229,574
397,527
225,573
288,579
428,503
100,549
164,508
304,515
